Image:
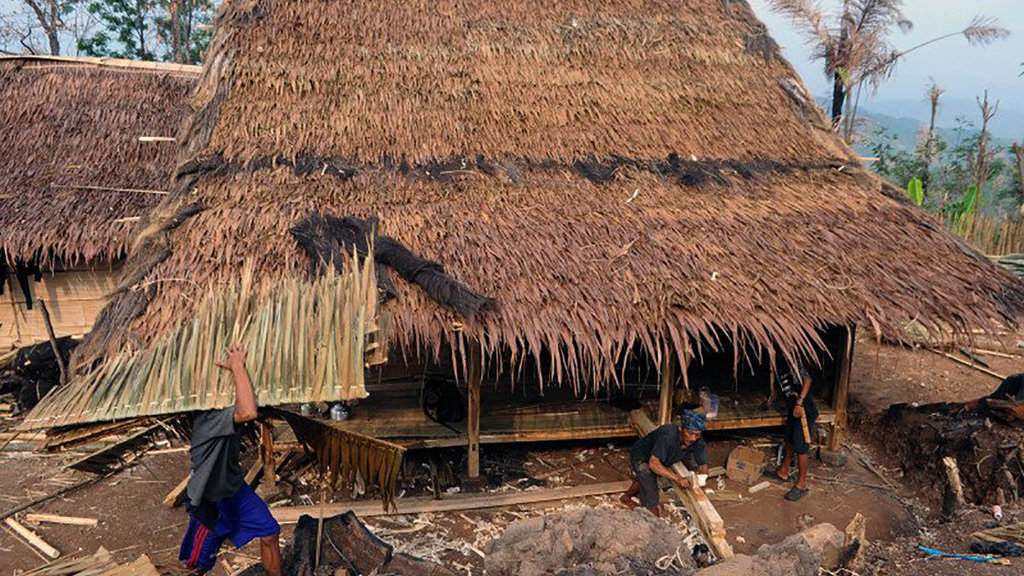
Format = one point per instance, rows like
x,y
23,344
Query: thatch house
x,y
74,179
645,189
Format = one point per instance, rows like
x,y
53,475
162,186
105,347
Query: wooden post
x,y
473,408
841,395
267,454
668,389
53,342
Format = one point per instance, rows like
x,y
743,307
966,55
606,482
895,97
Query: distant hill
x,y
1008,123
908,129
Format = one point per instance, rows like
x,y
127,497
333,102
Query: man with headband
x,y
654,454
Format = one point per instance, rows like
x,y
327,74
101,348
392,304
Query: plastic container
x,y
709,402
340,412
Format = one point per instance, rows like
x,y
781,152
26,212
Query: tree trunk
x,y
838,98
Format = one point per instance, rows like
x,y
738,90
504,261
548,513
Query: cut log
x,y
854,542
32,538
368,508
696,501
57,519
954,497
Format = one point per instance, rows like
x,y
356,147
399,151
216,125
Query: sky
x,y
964,71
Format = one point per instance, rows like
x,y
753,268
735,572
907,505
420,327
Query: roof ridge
x,y
152,66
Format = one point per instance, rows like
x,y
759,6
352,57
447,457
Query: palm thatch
x,y
305,342
74,176
615,173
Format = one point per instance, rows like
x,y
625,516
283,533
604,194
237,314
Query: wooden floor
x,y
394,413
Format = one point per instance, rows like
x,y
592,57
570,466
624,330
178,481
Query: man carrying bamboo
x,y
654,454
219,502
801,417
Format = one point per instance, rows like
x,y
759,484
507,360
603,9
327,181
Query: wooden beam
x,y
177,494
473,407
32,538
465,501
668,386
57,519
841,392
267,454
968,364
696,501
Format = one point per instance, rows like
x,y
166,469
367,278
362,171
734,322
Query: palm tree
x,y
853,42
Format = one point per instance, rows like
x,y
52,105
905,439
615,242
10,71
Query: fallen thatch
x,y
304,342
615,174
74,176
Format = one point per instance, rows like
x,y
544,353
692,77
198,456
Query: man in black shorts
x,y
795,385
654,454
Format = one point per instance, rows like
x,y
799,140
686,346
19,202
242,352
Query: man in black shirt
x,y
654,454
795,385
219,502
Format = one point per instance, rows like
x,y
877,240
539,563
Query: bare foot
x,y
629,501
656,510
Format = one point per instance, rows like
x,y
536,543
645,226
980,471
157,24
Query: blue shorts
x,y
242,518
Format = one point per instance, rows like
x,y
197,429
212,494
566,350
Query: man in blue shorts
x,y
219,502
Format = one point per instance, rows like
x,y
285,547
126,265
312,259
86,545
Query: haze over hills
x,y
1008,123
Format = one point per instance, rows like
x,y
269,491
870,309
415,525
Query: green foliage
x,y
126,32
915,190
144,29
948,178
894,163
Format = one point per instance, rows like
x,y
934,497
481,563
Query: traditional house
x,y
645,189
88,150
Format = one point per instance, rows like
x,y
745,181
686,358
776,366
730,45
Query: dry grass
x,y
463,128
70,134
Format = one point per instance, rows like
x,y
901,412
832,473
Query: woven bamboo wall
x,y
73,297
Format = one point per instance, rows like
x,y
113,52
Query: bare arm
x,y
665,472
245,400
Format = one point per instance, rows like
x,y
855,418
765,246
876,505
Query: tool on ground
x,y
986,559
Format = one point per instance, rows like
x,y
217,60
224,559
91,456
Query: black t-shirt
x,y
663,443
216,471
791,383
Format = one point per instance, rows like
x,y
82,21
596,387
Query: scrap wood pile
x,y
963,453
30,373
101,563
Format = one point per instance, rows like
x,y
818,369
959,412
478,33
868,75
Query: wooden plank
x,y
177,494
842,389
696,501
57,519
667,386
473,405
465,501
267,454
32,538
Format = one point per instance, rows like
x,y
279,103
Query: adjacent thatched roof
x,y
69,128
615,173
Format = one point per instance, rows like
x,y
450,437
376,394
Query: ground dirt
x,y
133,519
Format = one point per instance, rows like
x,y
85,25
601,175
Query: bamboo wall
x,y
990,235
73,297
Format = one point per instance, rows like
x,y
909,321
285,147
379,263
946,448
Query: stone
x,y
826,541
740,564
587,542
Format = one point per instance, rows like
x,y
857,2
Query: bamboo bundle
x,y
305,342
343,455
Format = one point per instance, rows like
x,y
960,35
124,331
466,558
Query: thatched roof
x,y
70,129
615,173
